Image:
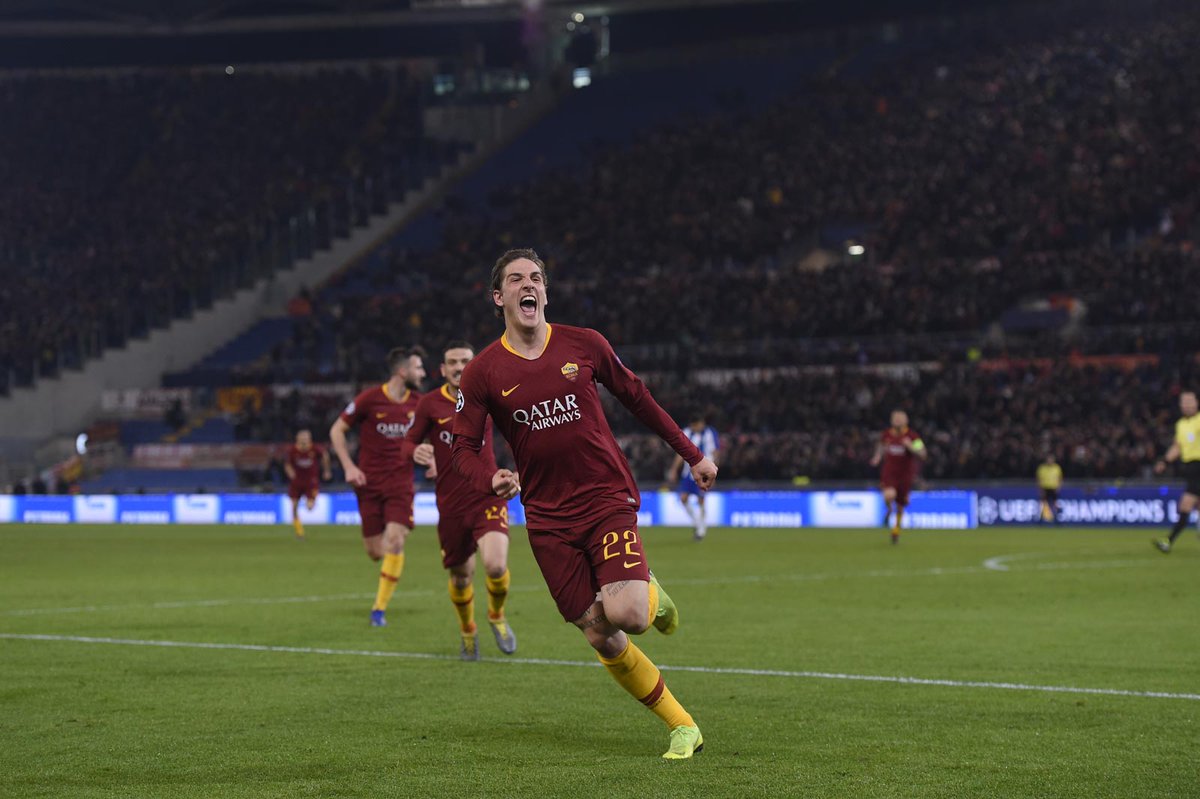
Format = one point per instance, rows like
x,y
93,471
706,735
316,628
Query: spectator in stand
x,y
98,243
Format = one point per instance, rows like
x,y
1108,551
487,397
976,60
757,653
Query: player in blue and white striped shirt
x,y
706,440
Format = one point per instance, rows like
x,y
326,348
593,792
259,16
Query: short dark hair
x,y
398,355
507,258
457,344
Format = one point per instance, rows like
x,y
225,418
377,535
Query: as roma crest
x,y
570,371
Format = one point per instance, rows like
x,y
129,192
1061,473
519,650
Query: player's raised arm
x,y
466,454
633,394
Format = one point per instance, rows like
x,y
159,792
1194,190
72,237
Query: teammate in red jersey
x,y
383,478
540,385
901,451
468,519
306,465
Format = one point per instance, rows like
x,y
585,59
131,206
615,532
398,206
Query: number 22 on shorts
x,y
612,539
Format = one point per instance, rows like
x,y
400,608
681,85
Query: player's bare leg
x,y
462,596
1187,504
630,667
685,500
893,512
1046,511
391,549
297,525
493,550
374,547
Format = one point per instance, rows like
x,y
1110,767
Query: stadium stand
x,y
1022,210
925,160
192,183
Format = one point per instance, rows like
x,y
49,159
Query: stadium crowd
x,y
1059,173
983,421
1063,170
187,185
1101,417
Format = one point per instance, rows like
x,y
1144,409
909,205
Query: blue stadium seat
x,y
143,431
217,430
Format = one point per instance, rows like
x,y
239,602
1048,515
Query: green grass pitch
x,y
776,624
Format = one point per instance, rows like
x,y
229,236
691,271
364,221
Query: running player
x,y
383,480
1186,449
1049,477
706,440
900,450
468,519
306,465
539,384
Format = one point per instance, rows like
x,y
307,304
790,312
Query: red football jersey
x,y
435,421
548,408
898,462
306,465
382,424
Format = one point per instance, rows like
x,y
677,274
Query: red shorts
x,y
577,562
297,490
459,530
379,509
900,485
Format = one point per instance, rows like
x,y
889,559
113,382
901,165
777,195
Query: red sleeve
x,y
633,394
470,420
354,413
419,430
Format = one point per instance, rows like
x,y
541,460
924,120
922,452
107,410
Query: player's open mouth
x,y
528,306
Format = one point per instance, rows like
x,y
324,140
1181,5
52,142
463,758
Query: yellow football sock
x,y
389,575
899,518
640,677
497,593
464,605
296,523
653,605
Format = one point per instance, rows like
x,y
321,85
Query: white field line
x,y
991,564
810,675
1000,562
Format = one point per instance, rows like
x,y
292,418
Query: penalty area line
x,y
776,673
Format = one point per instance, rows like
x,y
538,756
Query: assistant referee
x,y
1185,448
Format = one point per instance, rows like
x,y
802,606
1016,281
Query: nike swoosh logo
x,y
511,390
443,421
380,415
631,565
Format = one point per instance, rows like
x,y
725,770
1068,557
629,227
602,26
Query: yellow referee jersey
x,y
1049,476
1187,436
